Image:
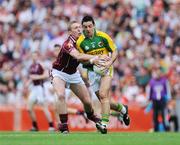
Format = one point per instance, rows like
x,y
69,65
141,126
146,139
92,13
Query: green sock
x,y
119,107
114,113
105,119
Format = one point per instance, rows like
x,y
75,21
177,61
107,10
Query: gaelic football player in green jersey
x,y
96,42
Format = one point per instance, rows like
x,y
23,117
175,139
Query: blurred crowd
x,y
146,32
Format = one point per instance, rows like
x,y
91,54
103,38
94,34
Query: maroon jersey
x,y
65,62
37,69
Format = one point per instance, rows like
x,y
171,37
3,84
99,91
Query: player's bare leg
x,y
103,95
48,117
30,107
61,106
121,111
81,91
78,112
95,101
56,115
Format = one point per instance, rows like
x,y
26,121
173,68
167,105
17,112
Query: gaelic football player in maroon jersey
x,y
64,72
37,75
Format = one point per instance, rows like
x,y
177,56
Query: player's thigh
x,y
40,95
59,86
44,106
30,104
105,85
81,91
32,99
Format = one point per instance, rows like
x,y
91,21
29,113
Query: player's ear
x,y
69,45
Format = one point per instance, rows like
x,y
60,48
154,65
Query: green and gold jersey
x,y
99,44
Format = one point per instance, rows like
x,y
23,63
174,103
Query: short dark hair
x,y
88,18
57,45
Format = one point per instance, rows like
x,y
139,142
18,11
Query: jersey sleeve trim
x,y
79,43
108,41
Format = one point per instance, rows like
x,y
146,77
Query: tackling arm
x,y
84,57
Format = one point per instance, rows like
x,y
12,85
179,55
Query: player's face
x,y
88,28
76,30
157,74
34,56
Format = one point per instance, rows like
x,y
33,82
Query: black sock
x,y
91,116
63,118
34,124
51,124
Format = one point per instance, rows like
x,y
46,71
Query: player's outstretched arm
x,y
93,59
80,56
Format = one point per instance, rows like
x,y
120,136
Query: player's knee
x,y
103,95
61,97
105,100
30,110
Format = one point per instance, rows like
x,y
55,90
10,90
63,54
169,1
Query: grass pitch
x,y
89,138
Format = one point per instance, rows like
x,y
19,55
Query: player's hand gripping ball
x,y
100,70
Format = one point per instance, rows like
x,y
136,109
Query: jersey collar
x,y
72,38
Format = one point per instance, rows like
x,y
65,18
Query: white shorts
x,y
94,80
68,78
37,94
